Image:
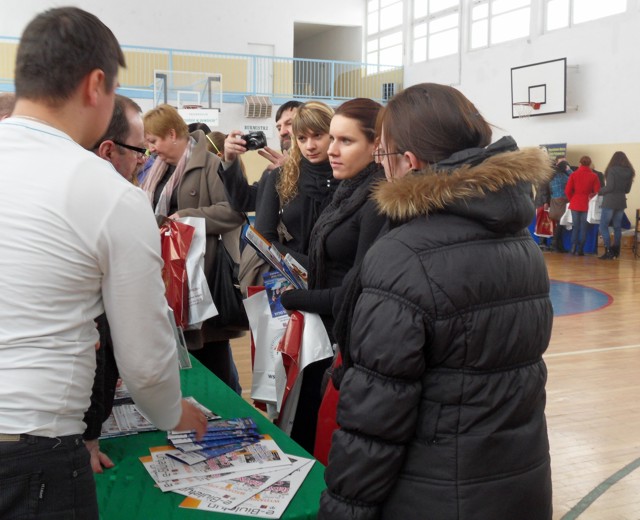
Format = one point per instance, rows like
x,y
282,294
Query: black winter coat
x,y
442,407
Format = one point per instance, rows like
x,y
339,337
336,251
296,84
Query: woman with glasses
x,y
442,399
183,182
344,231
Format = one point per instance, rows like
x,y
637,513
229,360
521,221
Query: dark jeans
x,y
46,478
579,230
613,217
218,358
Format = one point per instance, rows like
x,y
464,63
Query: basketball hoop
x,y
524,109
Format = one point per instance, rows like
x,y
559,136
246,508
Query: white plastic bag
x,y
566,219
201,306
595,210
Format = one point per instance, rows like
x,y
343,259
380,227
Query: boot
x,y
608,254
615,251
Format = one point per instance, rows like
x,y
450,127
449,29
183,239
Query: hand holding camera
x,y
237,143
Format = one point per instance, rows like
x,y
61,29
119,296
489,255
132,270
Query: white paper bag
x,y
266,331
201,306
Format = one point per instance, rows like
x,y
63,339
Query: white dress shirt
x,y
76,239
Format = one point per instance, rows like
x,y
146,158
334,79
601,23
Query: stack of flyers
x,y
127,419
264,454
221,437
257,482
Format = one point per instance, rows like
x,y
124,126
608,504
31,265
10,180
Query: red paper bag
x,y
327,418
544,224
175,239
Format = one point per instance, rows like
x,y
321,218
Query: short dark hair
x,y
289,105
119,126
58,48
433,121
199,126
585,160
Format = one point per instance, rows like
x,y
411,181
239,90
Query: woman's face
x,y
313,146
349,150
166,148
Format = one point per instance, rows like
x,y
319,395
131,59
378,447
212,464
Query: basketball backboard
x,y
544,83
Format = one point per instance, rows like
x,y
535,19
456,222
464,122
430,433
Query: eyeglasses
x,y
142,152
379,155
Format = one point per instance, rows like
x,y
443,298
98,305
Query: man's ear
x,y
94,86
105,149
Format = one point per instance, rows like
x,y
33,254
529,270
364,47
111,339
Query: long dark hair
x,y
619,159
433,121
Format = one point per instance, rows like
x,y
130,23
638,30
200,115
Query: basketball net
x,y
524,109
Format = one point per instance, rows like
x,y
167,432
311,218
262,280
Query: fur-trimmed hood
x,y
491,184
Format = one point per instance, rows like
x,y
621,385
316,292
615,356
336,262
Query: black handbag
x,y
225,291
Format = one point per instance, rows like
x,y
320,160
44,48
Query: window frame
x,y
426,20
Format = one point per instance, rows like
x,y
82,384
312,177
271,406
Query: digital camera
x,y
255,140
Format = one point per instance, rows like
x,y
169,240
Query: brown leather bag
x,y
557,208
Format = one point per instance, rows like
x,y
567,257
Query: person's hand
x,y
276,159
233,146
192,419
98,459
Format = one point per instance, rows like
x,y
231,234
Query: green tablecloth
x,y
128,492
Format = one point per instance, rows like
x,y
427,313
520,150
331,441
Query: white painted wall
x,y
210,25
604,88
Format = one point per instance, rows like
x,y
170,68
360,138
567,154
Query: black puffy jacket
x,y
442,408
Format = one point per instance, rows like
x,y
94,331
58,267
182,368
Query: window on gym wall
x,y
436,29
384,32
564,13
497,21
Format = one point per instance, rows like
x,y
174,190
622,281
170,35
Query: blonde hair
x,y
311,117
162,119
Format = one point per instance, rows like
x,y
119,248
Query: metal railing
x,y
243,74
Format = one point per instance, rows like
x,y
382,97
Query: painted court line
x,y
590,351
600,490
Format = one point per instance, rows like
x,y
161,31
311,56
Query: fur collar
x,y
429,191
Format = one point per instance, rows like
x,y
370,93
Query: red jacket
x,y
582,185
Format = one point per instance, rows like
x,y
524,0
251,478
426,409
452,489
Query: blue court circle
x,y
571,298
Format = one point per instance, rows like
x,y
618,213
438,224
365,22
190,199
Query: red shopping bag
x,y
175,239
544,224
289,347
327,418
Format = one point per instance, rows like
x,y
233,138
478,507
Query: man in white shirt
x,y
69,251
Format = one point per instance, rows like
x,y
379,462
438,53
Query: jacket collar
x,y
465,182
